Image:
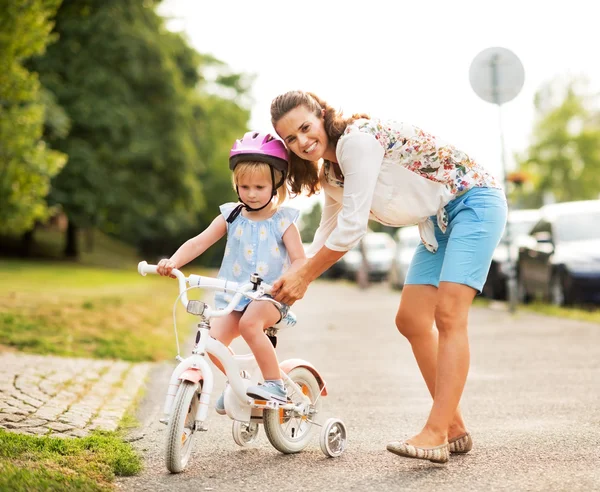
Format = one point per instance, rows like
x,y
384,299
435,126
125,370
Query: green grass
x,y
29,463
574,313
67,309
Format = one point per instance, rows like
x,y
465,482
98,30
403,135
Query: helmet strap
x,y
238,210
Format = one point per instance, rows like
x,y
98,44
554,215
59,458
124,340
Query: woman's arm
x,y
327,225
360,156
293,284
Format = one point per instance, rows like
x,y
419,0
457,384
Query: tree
x,y
563,158
220,117
310,222
26,163
124,82
138,148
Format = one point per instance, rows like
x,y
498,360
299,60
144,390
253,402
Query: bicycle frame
x,y
196,368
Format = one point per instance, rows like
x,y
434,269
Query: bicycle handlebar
x,y
207,282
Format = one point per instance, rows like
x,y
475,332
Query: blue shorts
x,y
476,222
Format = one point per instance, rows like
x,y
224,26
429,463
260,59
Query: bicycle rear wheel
x,y
286,430
181,426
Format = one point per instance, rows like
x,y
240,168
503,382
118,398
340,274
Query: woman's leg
x,y
225,330
451,314
259,316
476,223
415,321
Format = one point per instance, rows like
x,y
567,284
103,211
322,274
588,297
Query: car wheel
x,y
560,293
557,293
522,294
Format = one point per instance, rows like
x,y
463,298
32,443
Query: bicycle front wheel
x,y
286,430
181,426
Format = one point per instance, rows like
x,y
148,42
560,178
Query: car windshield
x,y
578,227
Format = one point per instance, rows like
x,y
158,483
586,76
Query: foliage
x,y
310,222
152,122
116,72
563,159
26,163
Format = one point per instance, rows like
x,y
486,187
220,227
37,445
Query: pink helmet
x,y
261,147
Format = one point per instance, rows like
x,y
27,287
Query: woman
x,y
398,175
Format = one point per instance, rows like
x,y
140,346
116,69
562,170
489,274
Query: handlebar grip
x,y
144,268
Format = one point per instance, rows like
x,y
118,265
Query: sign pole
x,y
497,76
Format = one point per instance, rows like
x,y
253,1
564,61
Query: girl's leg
x,y
451,314
225,330
259,316
415,321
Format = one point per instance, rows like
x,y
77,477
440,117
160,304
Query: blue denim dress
x,y
254,247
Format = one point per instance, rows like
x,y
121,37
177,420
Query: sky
x,y
407,61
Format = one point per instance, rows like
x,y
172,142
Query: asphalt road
x,y
532,404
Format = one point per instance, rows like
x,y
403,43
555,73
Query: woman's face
x,y
303,133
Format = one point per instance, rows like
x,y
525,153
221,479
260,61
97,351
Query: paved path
x,y
532,403
65,396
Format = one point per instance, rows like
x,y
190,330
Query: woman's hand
x,y
289,287
165,267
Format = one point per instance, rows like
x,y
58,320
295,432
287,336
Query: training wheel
x,y
333,438
244,433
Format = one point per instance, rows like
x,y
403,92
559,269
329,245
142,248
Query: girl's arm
x,y
293,245
194,247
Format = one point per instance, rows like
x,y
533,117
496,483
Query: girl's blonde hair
x,y
303,175
250,169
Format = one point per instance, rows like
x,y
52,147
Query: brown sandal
x,y
461,444
439,454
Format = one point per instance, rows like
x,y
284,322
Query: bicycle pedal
x,y
266,404
164,420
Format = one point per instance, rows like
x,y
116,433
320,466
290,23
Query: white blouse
x,y
395,174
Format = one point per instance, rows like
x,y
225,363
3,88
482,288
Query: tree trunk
x,y
27,243
71,246
89,240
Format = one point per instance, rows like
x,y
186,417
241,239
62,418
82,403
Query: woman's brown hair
x,y
303,175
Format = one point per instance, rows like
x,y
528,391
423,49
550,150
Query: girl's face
x,y
303,132
255,189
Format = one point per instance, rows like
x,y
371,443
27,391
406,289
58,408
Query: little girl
x,y
262,238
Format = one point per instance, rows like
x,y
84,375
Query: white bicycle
x,y
288,426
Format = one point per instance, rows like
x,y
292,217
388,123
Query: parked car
x,y
520,223
379,247
560,260
407,240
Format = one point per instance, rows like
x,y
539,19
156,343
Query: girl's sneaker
x,y
220,405
268,391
